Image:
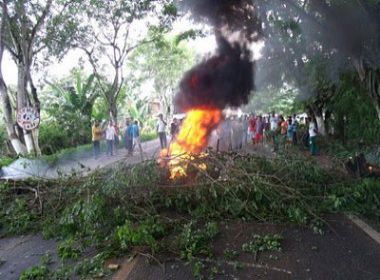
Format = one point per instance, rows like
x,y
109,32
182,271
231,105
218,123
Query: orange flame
x,y
191,139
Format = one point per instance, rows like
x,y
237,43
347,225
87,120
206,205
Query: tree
x,y
162,63
346,32
279,100
29,28
110,35
74,97
69,103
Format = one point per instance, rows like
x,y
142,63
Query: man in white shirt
x,y
161,130
312,137
110,138
273,120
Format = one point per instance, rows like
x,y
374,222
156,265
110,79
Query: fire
x,y
192,139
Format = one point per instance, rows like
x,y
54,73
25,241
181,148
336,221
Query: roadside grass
x,y
4,161
75,152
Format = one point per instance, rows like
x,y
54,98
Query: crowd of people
x,y
233,133
269,130
280,131
110,132
129,135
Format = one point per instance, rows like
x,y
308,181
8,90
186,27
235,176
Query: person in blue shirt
x,y
136,137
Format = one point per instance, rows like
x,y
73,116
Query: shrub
x,y
35,273
53,138
148,136
4,147
17,218
4,161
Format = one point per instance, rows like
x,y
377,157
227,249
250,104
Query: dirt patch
x,y
21,253
343,252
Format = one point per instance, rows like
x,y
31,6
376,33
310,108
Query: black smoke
x,y
227,78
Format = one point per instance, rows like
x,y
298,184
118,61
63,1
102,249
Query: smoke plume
x,y
227,78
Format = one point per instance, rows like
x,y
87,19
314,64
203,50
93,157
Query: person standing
x,y
252,128
97,134
284,131
295,127
245,125
174,128
161,130
110,138
136,137
259,130
128,137
273,120
290,131
312,137
224,136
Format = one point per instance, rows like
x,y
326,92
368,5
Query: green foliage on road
x,y
135,209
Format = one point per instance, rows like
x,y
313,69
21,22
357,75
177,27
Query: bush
x,y
4,161
35,273
17,218
52,138
3,142
148,136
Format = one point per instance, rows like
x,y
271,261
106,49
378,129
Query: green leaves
x,y
189,34
145,233
35,273
269,242
40,272
69,249
18,218
195,239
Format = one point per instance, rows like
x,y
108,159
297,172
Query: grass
x,y
5,161
148,136
77,152
74,152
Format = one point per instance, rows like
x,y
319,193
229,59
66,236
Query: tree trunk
x,y
320,125
23,100
318,115
327,122
17,145
113,110
10,125
370,76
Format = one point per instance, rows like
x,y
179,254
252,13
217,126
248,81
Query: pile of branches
x,y
128,208
233,185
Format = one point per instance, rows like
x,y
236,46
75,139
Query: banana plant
x,y
78,99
